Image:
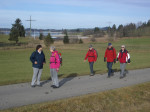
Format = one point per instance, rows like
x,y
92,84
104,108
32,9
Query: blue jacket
x,y
40,58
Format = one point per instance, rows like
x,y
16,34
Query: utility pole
x,y
30,23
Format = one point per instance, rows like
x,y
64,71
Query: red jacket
x,y
91,55
110,54
123,57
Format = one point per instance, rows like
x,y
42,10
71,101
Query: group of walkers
x,y
38,60
111,57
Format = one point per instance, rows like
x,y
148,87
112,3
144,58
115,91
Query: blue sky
x,y
68,14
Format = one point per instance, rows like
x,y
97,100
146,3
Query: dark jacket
x,y
40,58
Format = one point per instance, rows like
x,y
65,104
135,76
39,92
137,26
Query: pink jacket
x,y
54,60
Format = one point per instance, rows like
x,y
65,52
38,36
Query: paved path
x,y
22,94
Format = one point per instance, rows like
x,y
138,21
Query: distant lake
x,y
37,33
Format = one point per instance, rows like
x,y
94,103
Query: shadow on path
x,y
63,81
45,82
68,78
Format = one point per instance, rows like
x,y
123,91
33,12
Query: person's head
x,y
123,47
52,48
109,45
39,48
90,47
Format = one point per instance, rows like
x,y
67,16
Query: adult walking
x,y
124,58
92,57
38,59
54,66
110,54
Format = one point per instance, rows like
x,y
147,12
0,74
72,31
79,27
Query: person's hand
x,y
128,63
116,61
43,63
84,60
104,59
35,62
57,69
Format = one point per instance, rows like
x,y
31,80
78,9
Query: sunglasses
x,y
122,47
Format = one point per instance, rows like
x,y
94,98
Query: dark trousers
x,y
91,67
109,66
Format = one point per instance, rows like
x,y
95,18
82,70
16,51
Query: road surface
x,y
22,94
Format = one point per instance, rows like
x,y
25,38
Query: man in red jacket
x,y
92,57
110,54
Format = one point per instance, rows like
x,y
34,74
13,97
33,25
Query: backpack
x,y
96,52
59,54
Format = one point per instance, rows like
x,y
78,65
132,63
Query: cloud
x,y
64,20
73,13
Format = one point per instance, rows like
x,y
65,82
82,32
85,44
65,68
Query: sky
x,y
71,14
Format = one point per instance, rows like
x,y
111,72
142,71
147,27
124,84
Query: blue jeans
x,y
91,67
109,66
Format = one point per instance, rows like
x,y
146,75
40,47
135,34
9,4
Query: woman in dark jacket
x,y
38,59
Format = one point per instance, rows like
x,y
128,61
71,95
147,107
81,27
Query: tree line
x,y
129,30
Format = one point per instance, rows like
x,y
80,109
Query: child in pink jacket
x,y
54,67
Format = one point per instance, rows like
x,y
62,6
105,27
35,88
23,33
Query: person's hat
x,y
109,44
90,46
123,46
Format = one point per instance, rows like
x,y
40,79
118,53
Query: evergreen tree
x,y
22,32
114,28
66,38
80,41
96,30
78,30
48,40
148,23
120,31
41,36
14,34
16,31
109,31
18,25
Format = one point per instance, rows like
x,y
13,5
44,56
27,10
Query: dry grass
x,y
128,99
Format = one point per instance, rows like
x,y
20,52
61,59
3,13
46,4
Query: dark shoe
x,y
52,85
33,86
55,87
121,77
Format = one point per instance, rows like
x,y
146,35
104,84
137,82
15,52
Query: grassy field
x,y
128,99
15,66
